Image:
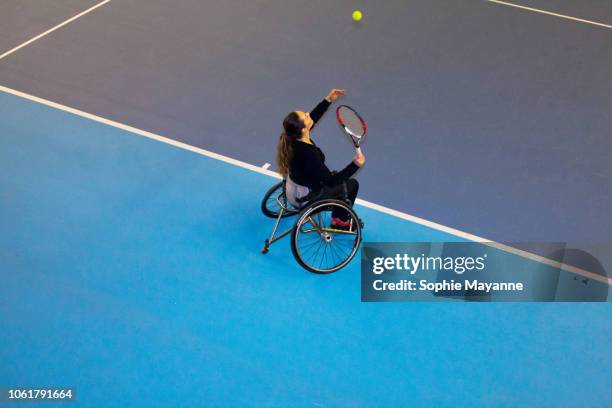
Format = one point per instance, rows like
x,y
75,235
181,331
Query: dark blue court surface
x,y
130,269
21,20
486,118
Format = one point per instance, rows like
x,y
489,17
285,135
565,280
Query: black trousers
x,y
341,191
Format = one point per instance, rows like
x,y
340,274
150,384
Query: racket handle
x,y
358,149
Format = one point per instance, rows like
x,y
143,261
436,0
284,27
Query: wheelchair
x,y
316,246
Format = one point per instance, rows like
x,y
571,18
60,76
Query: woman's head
x,y
296,123
293,125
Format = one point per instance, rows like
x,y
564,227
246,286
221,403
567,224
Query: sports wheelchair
x,y
316,245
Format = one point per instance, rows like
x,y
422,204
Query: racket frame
x,y
347,130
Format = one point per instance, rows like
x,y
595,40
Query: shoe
x,y
339,224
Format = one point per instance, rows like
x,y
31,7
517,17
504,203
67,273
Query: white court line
x,y
535,10
261,170
39,36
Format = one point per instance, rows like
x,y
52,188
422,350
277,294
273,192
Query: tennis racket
x,y
352,124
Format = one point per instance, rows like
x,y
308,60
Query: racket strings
x,y
352,122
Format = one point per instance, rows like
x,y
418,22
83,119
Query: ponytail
x,y
284,154
292,129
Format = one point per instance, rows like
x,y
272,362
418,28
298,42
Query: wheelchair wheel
x,y
319,248
269,205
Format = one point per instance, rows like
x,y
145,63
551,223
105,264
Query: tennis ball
x,y
357,15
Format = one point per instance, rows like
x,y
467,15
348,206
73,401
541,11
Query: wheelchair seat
x,y
297,195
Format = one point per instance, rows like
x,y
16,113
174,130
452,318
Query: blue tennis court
x,y
133,158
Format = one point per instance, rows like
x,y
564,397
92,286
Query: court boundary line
x,y
389,211
550,13
52,29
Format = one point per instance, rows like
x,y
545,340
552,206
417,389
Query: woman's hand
x,y
334,94
359,159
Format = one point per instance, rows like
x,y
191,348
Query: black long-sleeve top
x,y
307,168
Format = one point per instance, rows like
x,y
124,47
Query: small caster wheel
x,y
266,247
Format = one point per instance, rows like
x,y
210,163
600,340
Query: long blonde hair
x,y
292,129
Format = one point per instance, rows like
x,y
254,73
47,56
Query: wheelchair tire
x,y
269,206
347,242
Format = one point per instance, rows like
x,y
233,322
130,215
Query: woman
x,y
302,163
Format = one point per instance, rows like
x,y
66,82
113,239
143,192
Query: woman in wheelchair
x,y
327,232
302,164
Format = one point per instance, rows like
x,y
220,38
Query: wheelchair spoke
x,y
323,258
345,242
311,244
339,249
315,244
347,248
308,238
334,255
315,253
338,254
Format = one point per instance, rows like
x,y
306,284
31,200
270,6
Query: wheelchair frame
x,y
308,211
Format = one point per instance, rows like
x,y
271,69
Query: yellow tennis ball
x,y
357,15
